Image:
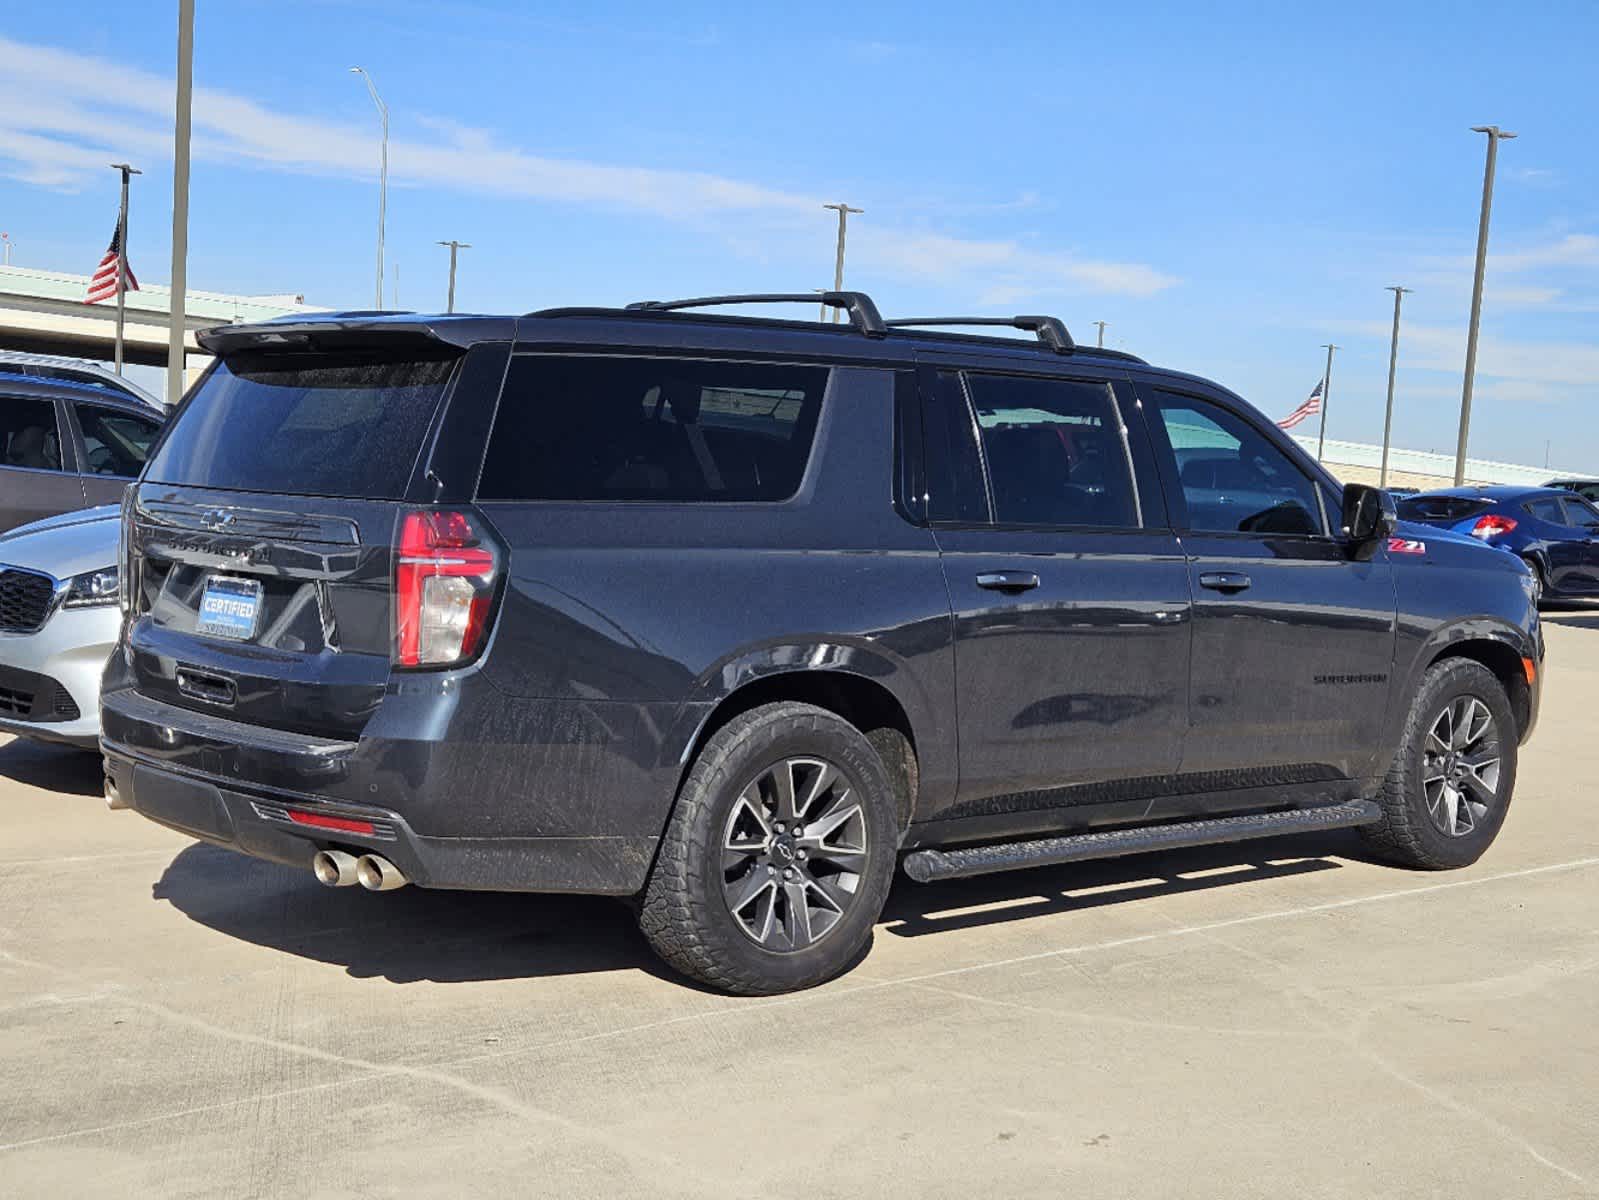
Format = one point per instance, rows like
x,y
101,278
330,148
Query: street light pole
x,y
454,247
1495,136
843,211
180,203
383,173
1326,389
1393,363
122,255
1101,340
5,238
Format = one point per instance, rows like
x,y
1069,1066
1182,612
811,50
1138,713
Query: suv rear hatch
x,y
263,545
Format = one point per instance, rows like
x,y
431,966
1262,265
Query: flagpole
x,y
122,255
1326,387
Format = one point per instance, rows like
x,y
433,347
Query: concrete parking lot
x,y
1274,1019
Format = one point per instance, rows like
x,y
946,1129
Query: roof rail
x,y
862,311
1051,331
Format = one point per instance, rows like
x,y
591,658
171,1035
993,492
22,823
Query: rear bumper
x,y
258,823
450,810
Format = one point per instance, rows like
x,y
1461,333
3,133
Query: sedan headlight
x,y
92,589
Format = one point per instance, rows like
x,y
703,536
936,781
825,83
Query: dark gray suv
x,y
731,617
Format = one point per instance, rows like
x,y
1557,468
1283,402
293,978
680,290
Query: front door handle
x,y
1224,581
1007,581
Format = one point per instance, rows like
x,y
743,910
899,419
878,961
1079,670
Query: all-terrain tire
x,y
1408,834
684,913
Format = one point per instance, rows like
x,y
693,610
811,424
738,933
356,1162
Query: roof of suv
x,y
45,387
860,335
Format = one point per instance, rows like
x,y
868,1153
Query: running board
x,y
927,866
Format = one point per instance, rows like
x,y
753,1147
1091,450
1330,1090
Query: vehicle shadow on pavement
x,y
53,768
916,910
405,936
1577,616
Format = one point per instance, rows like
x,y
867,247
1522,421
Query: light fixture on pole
x,y
1393,363
454,246
180,203
122,256
843,211
383,172
1326,389
1100,341
1495,136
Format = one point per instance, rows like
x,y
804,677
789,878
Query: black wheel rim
x,y
1460,766
793,854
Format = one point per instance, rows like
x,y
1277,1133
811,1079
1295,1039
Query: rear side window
x,y
1580,513
672,430
28,433
1441,508
956,492
1548,509
115,442
1054,450
307,426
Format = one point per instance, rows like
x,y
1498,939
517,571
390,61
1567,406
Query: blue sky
x,y
1228,185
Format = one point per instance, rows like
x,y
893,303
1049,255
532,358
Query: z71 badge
x,y
1406,546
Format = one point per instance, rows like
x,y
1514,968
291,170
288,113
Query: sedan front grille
x,y
25,599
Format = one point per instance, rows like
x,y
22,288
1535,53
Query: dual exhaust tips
x,y
335,868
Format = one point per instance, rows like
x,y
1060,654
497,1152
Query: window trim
x,y
1166,465
963,372
802,490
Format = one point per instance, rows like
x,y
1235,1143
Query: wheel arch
x,y
1501,656
865,701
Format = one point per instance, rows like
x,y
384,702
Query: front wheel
x,y
779,854
1446,795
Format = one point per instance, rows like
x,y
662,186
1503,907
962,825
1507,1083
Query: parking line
x,y
376,1070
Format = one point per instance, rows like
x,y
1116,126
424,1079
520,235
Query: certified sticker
x,y
1406,546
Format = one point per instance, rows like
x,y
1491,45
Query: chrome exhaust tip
x,y
113,797
378,874
334,868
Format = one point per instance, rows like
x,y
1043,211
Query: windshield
x,y
309,426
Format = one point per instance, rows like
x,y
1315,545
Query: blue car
x,y
1555,531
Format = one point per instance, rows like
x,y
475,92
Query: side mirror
x,y
1369,514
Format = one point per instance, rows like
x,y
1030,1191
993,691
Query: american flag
x,y
104,284
1309,408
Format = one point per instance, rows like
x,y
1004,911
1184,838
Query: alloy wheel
x,y
793,853
1460,766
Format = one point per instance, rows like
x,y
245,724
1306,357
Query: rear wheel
x,y
778,857
1449,788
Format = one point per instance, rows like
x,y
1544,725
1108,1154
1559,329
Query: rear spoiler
x,y
425,338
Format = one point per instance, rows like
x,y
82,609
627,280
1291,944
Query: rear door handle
x,y
1224,581
1007,581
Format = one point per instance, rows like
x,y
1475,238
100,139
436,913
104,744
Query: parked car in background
x,y
67,442
1554,531
76,370
1588,489
733,616
58,622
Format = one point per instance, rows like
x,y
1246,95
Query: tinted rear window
x,y
1441,508
304,426
593,428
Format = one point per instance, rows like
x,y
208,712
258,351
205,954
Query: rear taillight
x,y
444,577
1492,525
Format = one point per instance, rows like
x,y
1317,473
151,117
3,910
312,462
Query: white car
x,y
59,619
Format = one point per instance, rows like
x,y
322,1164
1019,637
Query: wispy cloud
x,y
64,115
